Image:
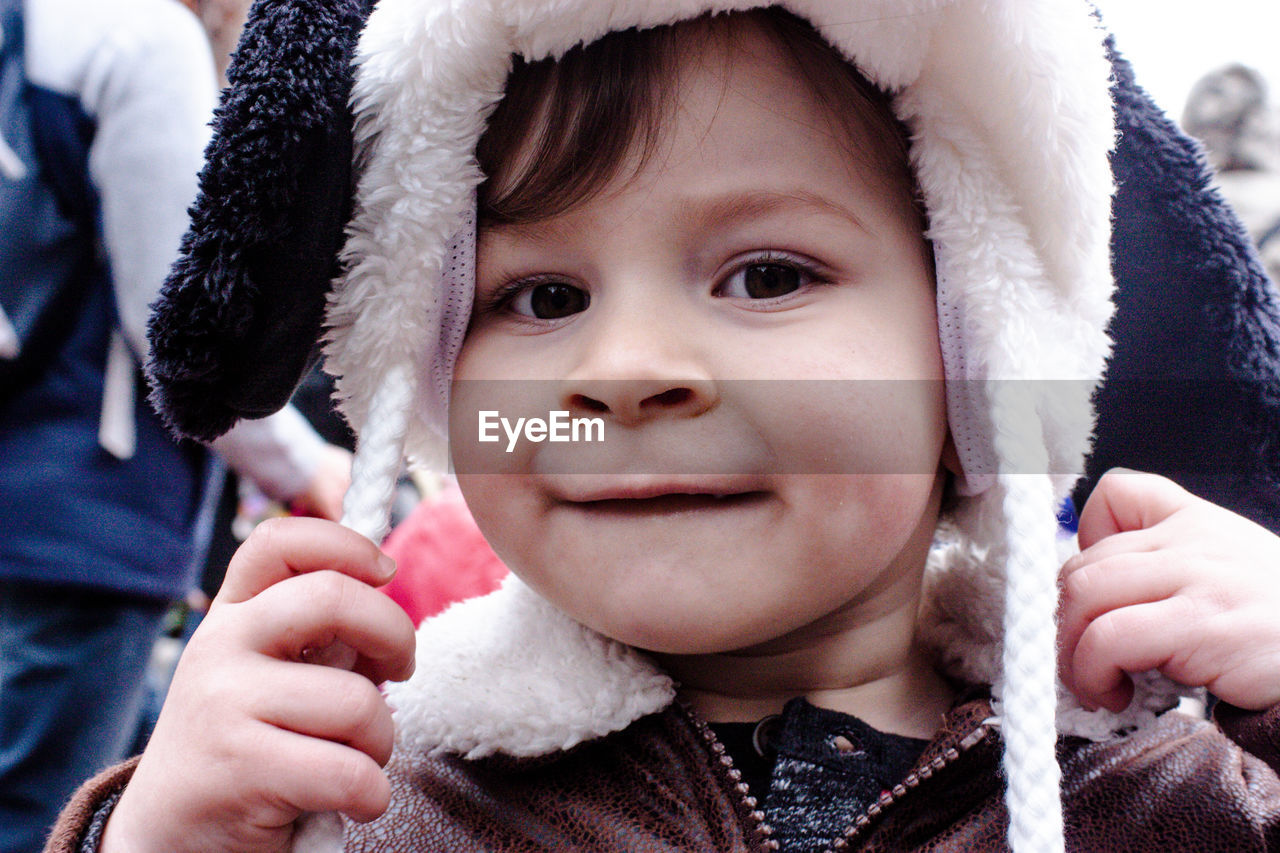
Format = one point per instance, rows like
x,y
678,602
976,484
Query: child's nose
x,y
632,401
633,370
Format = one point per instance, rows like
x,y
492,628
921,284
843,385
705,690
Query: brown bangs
x,y
566,128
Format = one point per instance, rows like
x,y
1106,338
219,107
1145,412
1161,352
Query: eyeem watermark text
x,y
558,427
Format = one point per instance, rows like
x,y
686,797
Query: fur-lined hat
x,y
1011,118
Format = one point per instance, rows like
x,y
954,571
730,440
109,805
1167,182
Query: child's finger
x,y
1132,639
327,703
1128,500
1128,542
314,775
280,548
313,611
1090,590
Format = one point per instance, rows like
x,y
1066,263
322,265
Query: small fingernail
x,y
386,567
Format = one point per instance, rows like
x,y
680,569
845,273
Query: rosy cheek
x,y
493,501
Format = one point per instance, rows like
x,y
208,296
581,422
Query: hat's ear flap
x,y
239,318
1192,389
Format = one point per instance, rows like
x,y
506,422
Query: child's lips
x,y
611,497
592,489
668,504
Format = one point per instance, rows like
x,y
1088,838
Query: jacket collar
x,y
510,673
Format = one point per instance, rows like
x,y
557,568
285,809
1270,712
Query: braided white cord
x,y
380,453
366,509
1029,695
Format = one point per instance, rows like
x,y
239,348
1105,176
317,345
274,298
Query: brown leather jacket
x,y
575,742
664,784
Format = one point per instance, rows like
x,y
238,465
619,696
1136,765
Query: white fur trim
x,y
510,673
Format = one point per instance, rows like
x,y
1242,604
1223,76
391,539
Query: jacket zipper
x,y
914,778
762,832
759,832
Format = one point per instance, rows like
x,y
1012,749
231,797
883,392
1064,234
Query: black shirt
x,y
814,770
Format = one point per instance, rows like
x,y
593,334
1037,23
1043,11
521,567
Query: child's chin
x,y
697,635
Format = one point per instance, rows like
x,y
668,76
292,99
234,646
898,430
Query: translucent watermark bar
x,y
846,426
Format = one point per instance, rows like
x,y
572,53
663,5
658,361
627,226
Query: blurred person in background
x,y
105,110
1230,112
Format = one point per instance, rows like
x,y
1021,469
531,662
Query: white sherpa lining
x,y
510,673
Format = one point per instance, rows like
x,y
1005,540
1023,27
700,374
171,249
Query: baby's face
x,y
752,319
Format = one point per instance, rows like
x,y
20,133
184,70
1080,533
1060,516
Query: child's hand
x,y
254,732
1168,581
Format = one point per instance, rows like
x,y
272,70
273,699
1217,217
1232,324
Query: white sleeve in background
x,y
152,92
144,71
279,453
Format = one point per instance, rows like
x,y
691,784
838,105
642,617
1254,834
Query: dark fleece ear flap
x,y
1193,385
238,321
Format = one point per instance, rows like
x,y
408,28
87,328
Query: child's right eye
x,y
549,301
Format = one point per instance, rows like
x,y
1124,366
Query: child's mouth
x,y
668,504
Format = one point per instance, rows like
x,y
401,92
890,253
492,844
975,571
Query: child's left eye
x,y
549,301
765,279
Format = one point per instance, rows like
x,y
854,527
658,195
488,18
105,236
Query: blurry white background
x,y
1171,43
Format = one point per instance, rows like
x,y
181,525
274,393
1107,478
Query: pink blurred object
x,y
441,557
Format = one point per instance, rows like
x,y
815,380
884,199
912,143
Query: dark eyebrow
x,y
731,208
703,214
538,231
